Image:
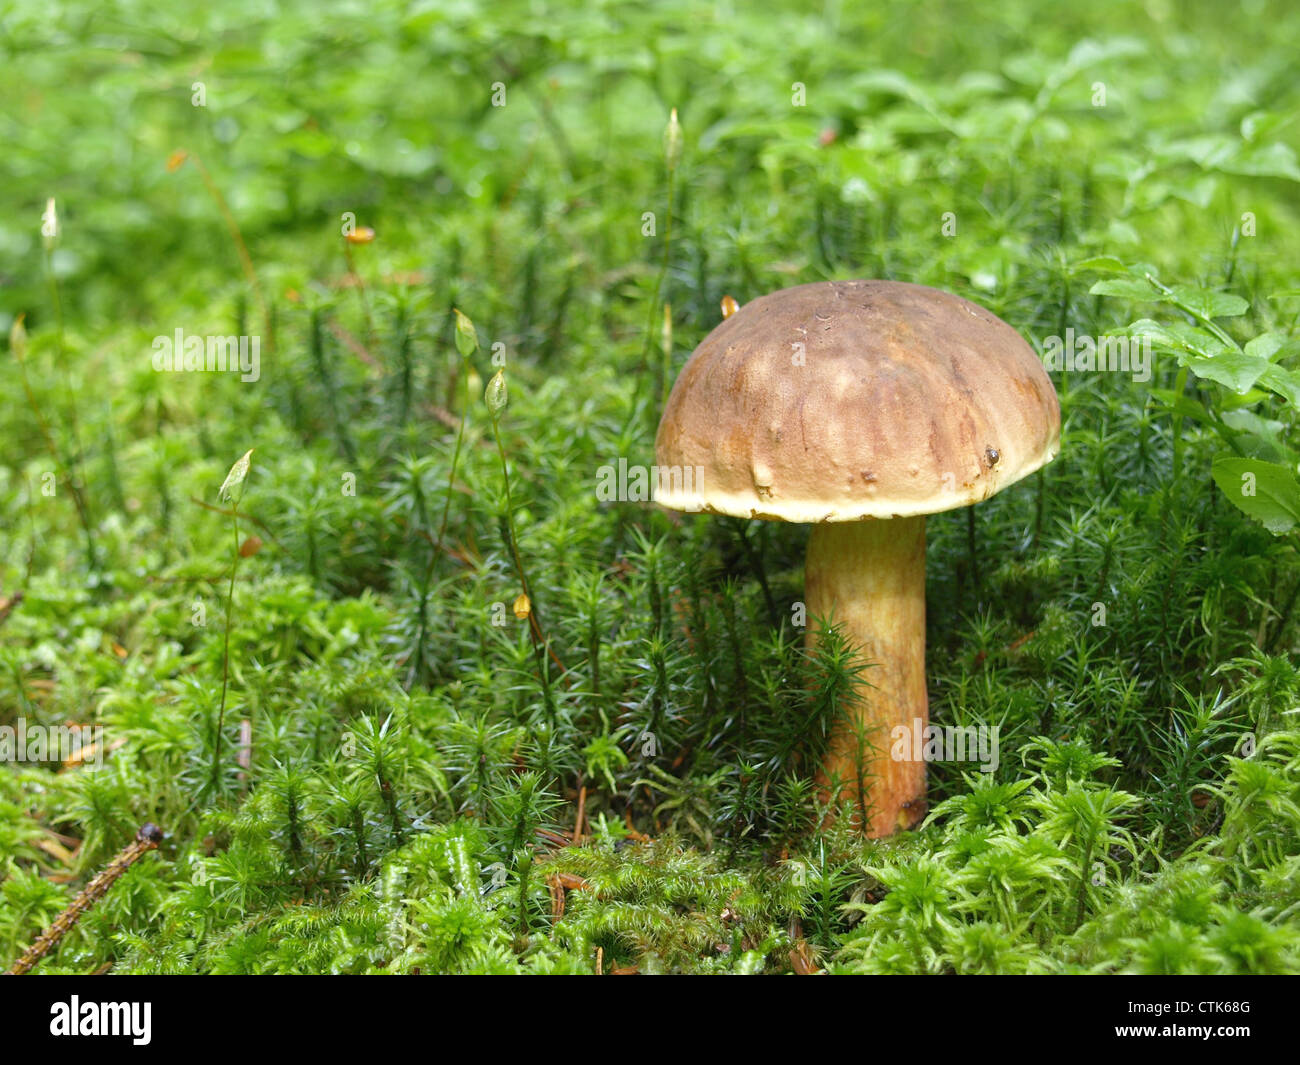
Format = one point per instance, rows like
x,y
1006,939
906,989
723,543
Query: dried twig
x,y
582,813
147,839
7,604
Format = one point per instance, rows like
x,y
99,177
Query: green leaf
x,y
1270,160
1260,437
1242,400
1128,288
1120,232
1184,405
1198,193
1107,263
1265,491
1203,353
1208,151
1266,345
1286,383
1234,369
1204,303
1179,337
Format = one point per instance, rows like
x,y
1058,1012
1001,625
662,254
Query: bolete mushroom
x,y
859,407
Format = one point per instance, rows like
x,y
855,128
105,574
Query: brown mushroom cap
x,y
908,401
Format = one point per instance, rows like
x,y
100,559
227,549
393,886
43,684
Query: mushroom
x,y
859,407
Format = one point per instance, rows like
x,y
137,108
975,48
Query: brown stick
x,y
147,839
582,812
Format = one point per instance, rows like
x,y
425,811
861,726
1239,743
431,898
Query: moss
x,y
417,771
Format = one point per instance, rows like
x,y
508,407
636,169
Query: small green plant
x,y
1260,475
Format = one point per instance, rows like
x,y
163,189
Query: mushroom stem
x,y
868,578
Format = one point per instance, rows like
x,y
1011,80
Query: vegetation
x,y
407,695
